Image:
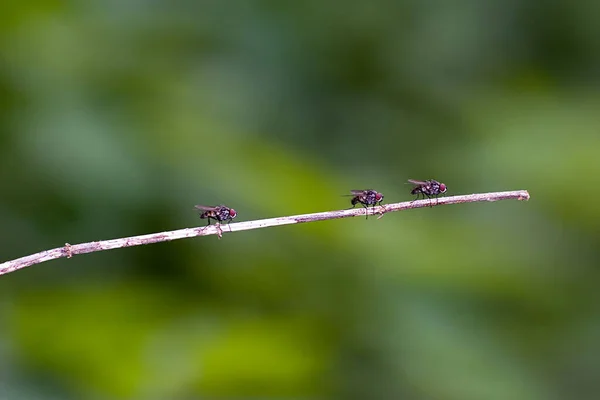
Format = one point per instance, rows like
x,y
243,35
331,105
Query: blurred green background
x,y
116,117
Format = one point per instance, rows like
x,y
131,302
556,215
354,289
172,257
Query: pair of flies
x,y
369,197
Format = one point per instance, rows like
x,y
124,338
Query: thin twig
x,y
69,250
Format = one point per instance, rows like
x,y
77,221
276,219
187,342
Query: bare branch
x,y
69,250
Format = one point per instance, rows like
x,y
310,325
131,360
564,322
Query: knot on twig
x,y
68,251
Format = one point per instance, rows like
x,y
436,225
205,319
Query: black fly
x,y
367,198
428,188
218,213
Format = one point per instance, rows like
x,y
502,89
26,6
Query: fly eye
x,y
232,212
379,196
443,187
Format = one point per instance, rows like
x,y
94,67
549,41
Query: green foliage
x,y
117,117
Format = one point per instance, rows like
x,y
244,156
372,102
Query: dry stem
x,y
69,250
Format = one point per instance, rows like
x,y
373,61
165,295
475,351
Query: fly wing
x,y
418,183
359,192
205,208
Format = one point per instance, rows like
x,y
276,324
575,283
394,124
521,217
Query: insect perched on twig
x,y
367,198
218,213
430,188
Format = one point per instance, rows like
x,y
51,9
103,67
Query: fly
x,y
430,188
218,213
367,198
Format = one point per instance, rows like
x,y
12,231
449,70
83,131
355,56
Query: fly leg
x,y
418,194
380,212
